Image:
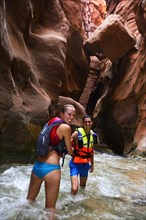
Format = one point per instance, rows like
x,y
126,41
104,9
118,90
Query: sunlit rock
x,y
142,145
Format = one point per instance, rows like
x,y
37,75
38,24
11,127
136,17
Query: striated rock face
x,y
120,110
58,51
38,63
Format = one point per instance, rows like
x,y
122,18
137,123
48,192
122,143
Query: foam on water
x,y
115,190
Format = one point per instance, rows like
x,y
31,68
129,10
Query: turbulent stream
x,y
116,190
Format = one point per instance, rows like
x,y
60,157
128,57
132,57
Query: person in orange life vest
x,y
83,140
47,168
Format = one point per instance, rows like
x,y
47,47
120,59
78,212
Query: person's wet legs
x,y
52,184
34,187
83,181
74,185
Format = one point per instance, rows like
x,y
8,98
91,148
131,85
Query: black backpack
x,y
43,145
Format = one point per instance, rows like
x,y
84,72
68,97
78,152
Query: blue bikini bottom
x,y
41,169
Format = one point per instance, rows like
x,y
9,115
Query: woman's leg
x,y
74,185
74,171
83,181
52,185
34,187
84,175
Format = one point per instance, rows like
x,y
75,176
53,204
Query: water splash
x,y
115,190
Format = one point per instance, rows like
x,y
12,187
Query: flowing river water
x,y
116,190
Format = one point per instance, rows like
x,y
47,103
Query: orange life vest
x,y
84,154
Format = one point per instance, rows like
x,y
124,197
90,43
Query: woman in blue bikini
x,y
47,168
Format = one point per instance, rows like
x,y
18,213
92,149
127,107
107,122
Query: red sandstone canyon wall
x,y
87,53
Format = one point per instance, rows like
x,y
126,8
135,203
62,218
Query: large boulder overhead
x,y
112,38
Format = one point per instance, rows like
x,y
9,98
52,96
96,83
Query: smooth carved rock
x,y
42,62
34,42
111,38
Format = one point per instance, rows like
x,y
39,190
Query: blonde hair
x,y
66,106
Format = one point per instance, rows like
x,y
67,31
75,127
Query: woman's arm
x,y
64,130
74,136
92,163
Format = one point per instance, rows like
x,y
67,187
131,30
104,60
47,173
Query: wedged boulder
x,y
111,38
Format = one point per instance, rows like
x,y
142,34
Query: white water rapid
x,y
116,190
